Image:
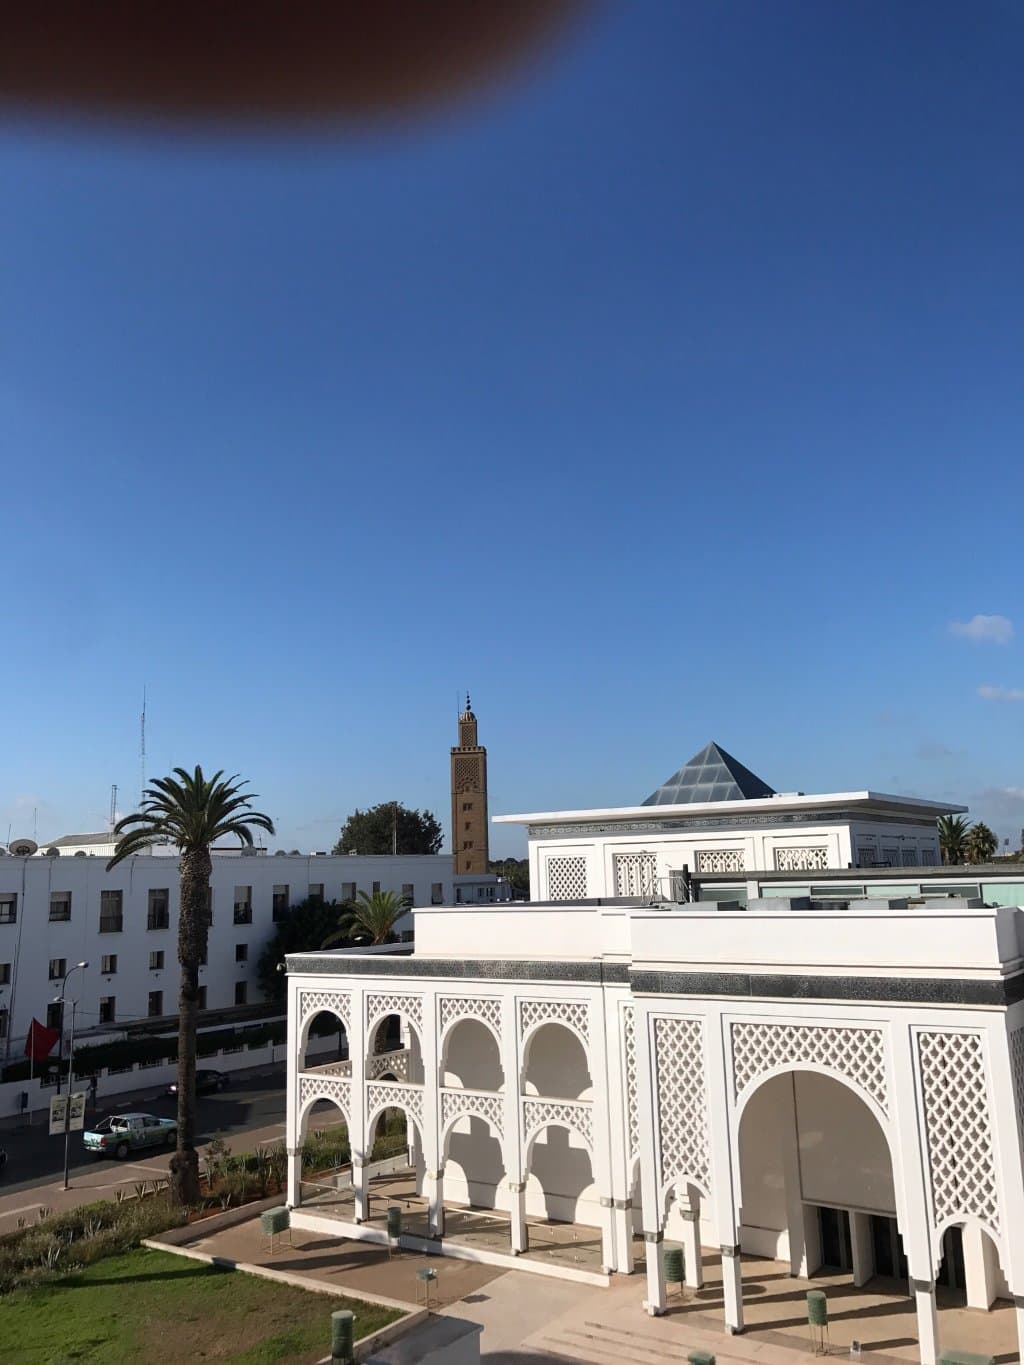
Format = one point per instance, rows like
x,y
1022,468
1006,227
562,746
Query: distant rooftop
x,y
711,775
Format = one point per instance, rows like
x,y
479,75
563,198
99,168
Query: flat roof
x,y
759,806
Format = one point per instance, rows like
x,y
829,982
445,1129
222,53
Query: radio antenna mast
x,y
113,806
142,746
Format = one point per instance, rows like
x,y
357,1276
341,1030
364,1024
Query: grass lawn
x,y
150,1305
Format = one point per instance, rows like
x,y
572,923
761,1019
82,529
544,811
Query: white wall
x,y
29,944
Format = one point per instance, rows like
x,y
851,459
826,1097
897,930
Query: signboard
x,y
58,1112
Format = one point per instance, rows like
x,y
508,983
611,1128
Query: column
x,y
861,1250
657,1299
517,1217
515,1173
801,1222
980,1261
360,1192
294,1177
732,1288
927,1320
622,1223
608,1100
435,1201
689,1211
650,1194
357,1104
724,1152
910,1181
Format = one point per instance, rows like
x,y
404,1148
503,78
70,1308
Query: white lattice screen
x,y
635,874
682,1100
486,1009
567,878
810,859
1017,1071
575,1014
857,1053
472,1104
574,1114
632,1103
958,1125
719,860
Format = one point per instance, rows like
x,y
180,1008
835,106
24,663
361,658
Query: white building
x,y
815,1081
56,911
714,815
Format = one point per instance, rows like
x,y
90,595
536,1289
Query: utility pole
x,y
394,827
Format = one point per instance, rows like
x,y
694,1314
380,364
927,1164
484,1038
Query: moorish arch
x,y
558,1152
313,1004
471,1056
555,1063
314,1089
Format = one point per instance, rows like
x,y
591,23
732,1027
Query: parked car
x,y
123,1133
207,1081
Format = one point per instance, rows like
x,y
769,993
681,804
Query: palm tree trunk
x,y
193,926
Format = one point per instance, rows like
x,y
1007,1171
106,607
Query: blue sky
x,y
671,391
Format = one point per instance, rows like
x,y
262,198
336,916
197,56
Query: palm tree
x,y
953,831
193,812
981,844
374,915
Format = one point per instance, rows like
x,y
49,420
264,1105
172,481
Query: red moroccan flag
x,y
40,1041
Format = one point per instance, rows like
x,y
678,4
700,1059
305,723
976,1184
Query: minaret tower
x,y
469,799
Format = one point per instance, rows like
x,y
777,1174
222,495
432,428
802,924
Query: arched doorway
x,y
323,1042
971,1277
471,1058
816,1184
555,1064
324,1148
393,1048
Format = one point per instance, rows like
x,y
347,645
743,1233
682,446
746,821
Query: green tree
x,y
371,916
192,812
516,871
389,828
303,930
981,844
953,831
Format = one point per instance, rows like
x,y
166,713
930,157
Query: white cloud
x,y
995,630
991,693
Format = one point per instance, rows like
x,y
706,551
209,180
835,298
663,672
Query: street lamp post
x,y
79,966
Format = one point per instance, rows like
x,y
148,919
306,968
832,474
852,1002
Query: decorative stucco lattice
x,y
857,1053
574,1114
574,1014
1017,1069
394,1095
801,859
396,1063
483,1007
567,878
327,1088
379,1006
313,1002
682,1106
632,1104
719,860
472,1104
636,874
961,1161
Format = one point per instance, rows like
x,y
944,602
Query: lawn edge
x,y
413,1314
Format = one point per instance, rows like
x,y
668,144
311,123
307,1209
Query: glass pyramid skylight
x,y
711,775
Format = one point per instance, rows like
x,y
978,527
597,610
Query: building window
x,y
795,859
567,878
9,908
158,915
108,965
281,898
436,893
111,912
243,904
241,990
108,1009
60,906
5,973
156,1003
720,860
927,857
467,826
467,843
408,892
348,891
467,805
3,1023
241,952
58,966
156,960
53,1015
202,998
376,888
316,891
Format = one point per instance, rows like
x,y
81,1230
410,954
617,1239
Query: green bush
x,y
81,1237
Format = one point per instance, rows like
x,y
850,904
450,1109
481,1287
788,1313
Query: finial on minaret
x,y
468,706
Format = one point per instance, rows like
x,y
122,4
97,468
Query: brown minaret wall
x,y
469,799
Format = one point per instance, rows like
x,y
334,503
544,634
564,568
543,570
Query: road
x,y
253,1109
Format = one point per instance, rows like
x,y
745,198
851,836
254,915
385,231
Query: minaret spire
x,y
469,799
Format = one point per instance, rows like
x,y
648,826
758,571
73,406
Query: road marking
x,y
25,1208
